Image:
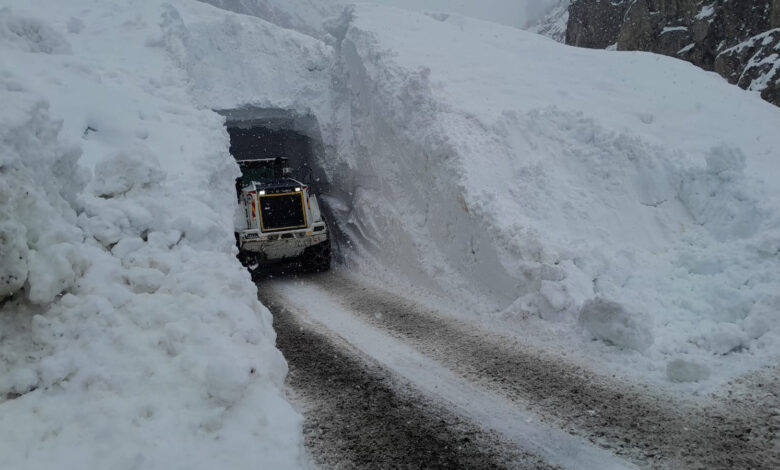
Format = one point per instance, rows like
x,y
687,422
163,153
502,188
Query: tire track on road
x,y
652,431
357,417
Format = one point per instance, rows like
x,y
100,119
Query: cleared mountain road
x,y
359,416
364,361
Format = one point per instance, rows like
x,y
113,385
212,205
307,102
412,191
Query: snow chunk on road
x,y
725,338
613,323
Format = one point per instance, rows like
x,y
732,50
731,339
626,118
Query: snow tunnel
x,y
257,132
273,132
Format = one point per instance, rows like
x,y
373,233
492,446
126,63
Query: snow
x,y
130,336
706,12
772,63
554,23
304,16
524,181
687,48
763,65
680,370
517,13
307,16
610,322
31,35
669,29
521,179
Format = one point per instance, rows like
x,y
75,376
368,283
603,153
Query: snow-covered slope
x,y
516,13
304,16
307,16
623,196
130,336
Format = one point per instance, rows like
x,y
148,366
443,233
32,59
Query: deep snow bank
x,y
537,177
130,337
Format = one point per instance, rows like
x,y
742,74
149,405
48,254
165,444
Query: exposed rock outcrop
x,y
594,24
740,40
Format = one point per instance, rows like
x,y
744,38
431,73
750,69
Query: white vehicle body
x,y
269,240
278,217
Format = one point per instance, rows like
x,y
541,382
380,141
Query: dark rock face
x,y
594,24
739,39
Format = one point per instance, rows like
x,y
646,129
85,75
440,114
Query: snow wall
x,y
130,336
576,194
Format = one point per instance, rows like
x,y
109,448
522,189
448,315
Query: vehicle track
x,y
357,416
739,431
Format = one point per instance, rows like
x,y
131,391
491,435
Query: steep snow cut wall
x,y
130,336
397,167
540,180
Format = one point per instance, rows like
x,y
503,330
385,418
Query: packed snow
x,y
130,336
529,180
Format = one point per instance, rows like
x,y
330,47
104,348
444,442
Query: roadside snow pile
x,y
680,370
610,322
534,178
130,337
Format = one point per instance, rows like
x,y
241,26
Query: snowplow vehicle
x,y
279,218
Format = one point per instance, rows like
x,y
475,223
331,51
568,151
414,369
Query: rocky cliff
x,y
740,40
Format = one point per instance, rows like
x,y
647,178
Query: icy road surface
x,y
526,406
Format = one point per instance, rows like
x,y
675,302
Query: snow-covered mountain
x,y
738,40
554,22
306,16
564,194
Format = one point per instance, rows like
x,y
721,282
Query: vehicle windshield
x,y
261,169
